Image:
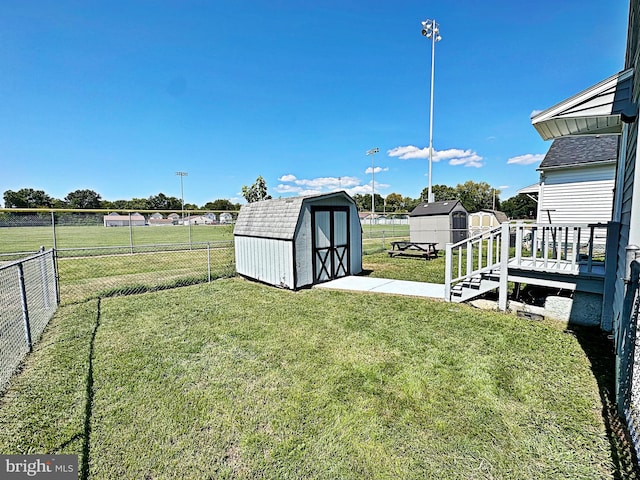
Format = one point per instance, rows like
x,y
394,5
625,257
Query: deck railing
x,y
562,248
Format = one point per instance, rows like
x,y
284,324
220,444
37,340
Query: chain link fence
x,y
28,300
628,357
94,272
27,231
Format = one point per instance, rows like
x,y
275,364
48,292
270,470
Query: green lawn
x,y
235,379
28,239
404,268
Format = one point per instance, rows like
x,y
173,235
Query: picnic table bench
x,y
426,250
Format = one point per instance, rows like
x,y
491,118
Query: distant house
x,y
117,220
370,218
174,217
207,219
440,222
485,220
577,179
225,217
156,219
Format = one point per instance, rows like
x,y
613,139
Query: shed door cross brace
x,y
330,261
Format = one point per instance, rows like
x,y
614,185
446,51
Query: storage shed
x,y
485,220
440,222
299,241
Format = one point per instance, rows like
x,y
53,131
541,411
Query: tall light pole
x,y
182,175
431,30
373,152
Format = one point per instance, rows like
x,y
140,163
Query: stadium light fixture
x,y
182,175
431,30
373,152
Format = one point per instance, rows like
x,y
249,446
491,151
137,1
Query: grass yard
x,y
29,239
235,379
404,268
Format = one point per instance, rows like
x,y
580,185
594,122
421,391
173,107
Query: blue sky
x,y
118,96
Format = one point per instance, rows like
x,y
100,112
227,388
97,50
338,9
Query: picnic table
x,y
426,250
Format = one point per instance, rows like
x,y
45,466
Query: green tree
x,y
520,206
363,202
83,199
162,202
394,202
138,204
27,198
221,204
441,193
409,203
256,192
476,196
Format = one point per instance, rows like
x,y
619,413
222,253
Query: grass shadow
x,y
600,352
88,408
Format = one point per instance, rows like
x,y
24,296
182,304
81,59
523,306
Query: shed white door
x,y
330,243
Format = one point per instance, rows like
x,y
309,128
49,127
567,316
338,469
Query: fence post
x,y
25,309
43,272
633,253
208,261
130,234
53,225
504,268
448,270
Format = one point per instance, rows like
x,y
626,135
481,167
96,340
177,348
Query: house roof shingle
x,y
436,208
570,151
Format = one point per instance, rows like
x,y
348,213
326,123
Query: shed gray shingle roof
x,y
275,218
570,151
436,208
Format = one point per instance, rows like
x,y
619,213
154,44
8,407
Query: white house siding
x,y
265,259
581,196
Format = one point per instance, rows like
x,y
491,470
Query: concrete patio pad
x,y
384,285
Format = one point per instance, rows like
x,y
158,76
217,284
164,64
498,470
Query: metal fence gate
x,y
628,357
28,300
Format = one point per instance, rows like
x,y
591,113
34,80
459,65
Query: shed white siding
x,y
578,195
265,259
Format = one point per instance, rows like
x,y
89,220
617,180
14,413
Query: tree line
x,y
89,199
475,196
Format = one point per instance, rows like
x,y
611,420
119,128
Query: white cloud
x,y
456,156
287,178
526,159
469,159
376,170
288,189
535,112
301,186
503,187
409,152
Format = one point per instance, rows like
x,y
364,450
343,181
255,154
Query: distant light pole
x,y
431,29
182,175
373,152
